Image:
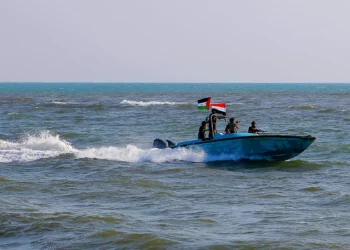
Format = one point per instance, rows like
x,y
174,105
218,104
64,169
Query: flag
x,y
219,108
204,104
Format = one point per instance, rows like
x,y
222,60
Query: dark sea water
x,y
77,168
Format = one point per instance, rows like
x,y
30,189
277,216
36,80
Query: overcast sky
x,y
175,40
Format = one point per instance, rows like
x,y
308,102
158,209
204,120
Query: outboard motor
x,y
159,143
171,144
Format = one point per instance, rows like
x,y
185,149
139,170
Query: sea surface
x,y
78,171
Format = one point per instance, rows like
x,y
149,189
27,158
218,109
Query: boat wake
x,y
47,145
34,147
131,153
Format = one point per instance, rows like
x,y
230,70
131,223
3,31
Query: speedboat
x,y
251,146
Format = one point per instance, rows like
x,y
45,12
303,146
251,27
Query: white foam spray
x,y
45,145
131,153
33,147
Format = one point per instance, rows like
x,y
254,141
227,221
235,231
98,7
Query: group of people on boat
x,y
231,127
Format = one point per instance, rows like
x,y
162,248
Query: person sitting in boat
x,y
253,129
202,129
232,127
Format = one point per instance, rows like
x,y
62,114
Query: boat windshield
x,y
217,122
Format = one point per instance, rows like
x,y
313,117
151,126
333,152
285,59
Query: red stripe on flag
x,y
208,103
221,105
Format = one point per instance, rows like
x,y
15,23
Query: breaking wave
x,y
150,103
59,102
303,107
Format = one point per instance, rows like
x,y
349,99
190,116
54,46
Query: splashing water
x,y
34,147
45,145
131,153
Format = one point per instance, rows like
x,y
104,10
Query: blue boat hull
x,y
252,146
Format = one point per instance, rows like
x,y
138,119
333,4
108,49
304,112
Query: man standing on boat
x,y
212,124
202,129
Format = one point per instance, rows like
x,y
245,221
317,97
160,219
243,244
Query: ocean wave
x,y
303,107
312,189
60,102
12,113
327,110
150,103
